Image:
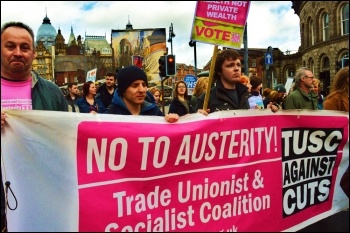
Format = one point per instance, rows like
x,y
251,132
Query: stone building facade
x,y
324,31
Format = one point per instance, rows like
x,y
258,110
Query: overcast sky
x,y
269,23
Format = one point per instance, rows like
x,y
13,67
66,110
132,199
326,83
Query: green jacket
x,y
47,95
300,100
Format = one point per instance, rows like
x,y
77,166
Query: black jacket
x,y
103,94
220,99
177,107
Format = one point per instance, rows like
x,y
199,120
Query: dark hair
x,y
176,92
71,84
110,74
86,87
255,81
220,59
19,25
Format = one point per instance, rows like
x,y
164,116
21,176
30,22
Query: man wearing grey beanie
x,y
130,97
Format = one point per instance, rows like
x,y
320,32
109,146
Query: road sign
x,y
190,81
268,58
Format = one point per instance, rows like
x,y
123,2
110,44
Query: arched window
x,y
325,26
344,59
312,65
325,63
290,72
311,33
345,19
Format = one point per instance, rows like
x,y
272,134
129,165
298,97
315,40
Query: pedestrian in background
x,y
130,97
266,93
89,103
316,91
338,98
246,82
281,93
200,88
105,91
157,95
72,97
255,100
22,88
180,104
301,97
275,99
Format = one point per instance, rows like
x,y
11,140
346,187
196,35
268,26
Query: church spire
x,y
129,25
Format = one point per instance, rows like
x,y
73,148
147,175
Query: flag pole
x,y
211,74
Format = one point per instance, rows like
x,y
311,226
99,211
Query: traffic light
x,y
162,66
170,65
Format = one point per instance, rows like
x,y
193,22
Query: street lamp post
x,y
193,44
268,68
171,36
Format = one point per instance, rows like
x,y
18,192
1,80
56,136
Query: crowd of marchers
x,y
127,92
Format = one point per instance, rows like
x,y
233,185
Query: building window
x,y
325,63
325,26
311,33
253,63
312,65
345,19
290,72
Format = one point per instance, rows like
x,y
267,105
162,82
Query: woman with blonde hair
x,y
200,88
157,95
316,93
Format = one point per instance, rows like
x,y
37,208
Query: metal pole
x,y
162,87
195,59
245,39
171,35
268,78
171,46
268,71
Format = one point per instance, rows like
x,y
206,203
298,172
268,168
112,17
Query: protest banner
x,y
220,22
91,75
190,81
229,171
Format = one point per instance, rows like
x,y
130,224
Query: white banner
x,y
91,75
229,171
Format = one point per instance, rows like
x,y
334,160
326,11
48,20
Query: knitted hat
x,y
280,88
128,75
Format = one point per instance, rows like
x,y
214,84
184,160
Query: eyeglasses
x,y
181,87
308,76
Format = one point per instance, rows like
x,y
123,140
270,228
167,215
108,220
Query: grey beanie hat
x,y
128,75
